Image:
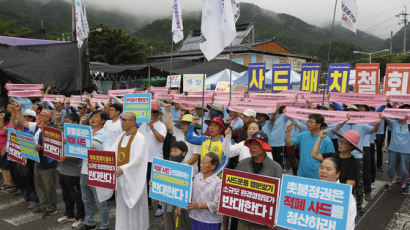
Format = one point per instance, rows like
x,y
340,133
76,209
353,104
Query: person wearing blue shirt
x,y
309,167
399,152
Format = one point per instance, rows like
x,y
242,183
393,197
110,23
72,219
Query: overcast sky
x,y
375,16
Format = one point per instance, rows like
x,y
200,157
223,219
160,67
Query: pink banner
x,y
25,93
233,93
334,116
358,98
75,100
24,86
397,113
400,98
207,93
100,98
159,89
50,97
120,92
191,101
163,96
271,96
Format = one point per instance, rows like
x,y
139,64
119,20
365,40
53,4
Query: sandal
x,y
4,187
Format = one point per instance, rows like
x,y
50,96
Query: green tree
x,y
115,46
9,28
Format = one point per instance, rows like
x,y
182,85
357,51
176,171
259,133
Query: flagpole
x,y
330,48
172,51
230,76
203,96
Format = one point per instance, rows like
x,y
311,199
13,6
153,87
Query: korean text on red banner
x,y
101,169
52,143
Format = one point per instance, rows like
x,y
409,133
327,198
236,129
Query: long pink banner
x,y
334,116
25,93
397,113
51,97
24,86
120,92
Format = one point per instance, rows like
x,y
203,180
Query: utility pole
x,y
391,42
403,20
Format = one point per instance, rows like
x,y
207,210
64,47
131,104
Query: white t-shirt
x,y
113,129
192,149
32,127
154,146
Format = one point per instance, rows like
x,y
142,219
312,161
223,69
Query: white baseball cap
x,y
29,112
249,113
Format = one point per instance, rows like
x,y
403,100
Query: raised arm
x,y
168,122
190,133
315,151
340,125
19,117
288,140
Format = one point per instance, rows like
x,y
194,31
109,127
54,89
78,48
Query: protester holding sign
x,y
89,193
4,164
205,195
131,149
45,172
258,163
308,167
330,171
69,175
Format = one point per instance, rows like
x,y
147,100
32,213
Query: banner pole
x,y
328,53
203,96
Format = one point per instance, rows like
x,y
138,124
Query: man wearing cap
x,y
45,172
240,134
59,108
260,164
154,132
202,117
82,112
212,143
194,151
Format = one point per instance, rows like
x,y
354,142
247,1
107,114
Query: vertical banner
x,y
314,204
52,143
249,196
14,151
138,104
338,78
367,78
280,77
78,140
310,77
256,77
174,81
397,79
193,82
27,146
101,169
171,182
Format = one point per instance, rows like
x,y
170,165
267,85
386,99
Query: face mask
x,y
176,158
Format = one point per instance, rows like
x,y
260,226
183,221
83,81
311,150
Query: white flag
x,y
177,27
217,26
349,15
81,24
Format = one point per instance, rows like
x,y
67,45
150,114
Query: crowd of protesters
x,y
209,138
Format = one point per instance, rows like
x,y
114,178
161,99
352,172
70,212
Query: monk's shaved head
x,y
130,116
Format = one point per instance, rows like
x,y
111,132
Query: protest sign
x,y
256,76
249,196
101,169
27,146
397,79
310,77
193,82
52,143
223,86
78,140
25,93
138,104
51,97
120,92
171,182
338,78
16,87
308,203
280,77
397,113
13,150
174,81
100,98
367,78
75,100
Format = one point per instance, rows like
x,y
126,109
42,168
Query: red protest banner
x,y
101,169
367,78
249,196
14,150
53,143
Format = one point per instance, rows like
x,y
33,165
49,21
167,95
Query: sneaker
x,y
158,213
404,190
47,214
387,187
87,227
65,219
32,205
78,223
373,186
